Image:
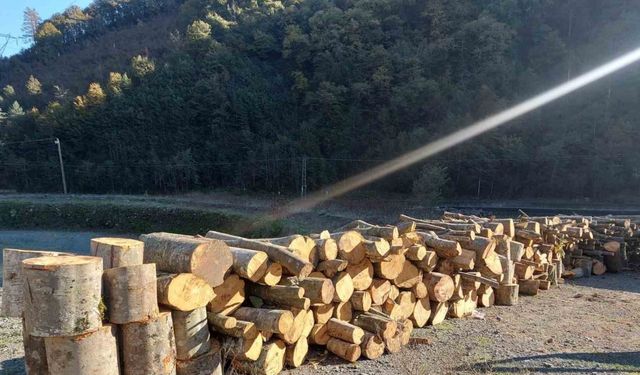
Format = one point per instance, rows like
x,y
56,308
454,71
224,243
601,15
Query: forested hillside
x,y
166,96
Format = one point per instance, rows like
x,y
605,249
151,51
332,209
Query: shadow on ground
x,y
623,281
561,363
12,366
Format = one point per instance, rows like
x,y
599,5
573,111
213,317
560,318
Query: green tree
x,y
60,93
430,183
95,95
34,87
8,91
79,102
47,31
30,21
15,110
198,31
118,82
142,66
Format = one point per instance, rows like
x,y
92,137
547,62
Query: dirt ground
x,y
590,326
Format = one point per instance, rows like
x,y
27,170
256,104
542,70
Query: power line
x,y
28,141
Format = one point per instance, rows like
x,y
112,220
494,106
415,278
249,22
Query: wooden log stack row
x,y
179,304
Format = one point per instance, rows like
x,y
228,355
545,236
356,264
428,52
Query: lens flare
x,y
456,137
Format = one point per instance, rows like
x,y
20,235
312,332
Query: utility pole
x,y
64,178
303,178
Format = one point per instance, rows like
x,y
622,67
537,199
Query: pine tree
x,y
142,66
95,95
60,93
79,103
198,30
8,91
34,87
15,110
118,82
47,30
31,20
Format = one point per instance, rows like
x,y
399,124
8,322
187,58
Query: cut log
x,y
319,335
528,287
227,297
508,226
223,323
327,249
345,350
440,286
343,285
95,352
429,262
296,353
421,312
483,246
465,261
280,295
345,331
611,246
372,346
249,264
361,274
486,297
331,267
523,271
130,293
384,327
517,250
416,252
276,321
409,276
322,313
319,291
302,246
361,300
343,311
272,275
544,284
35,354
149,347
270,361
117,252
184,292
598,268
406,327
191,333
390,268
295,331
350,246
379,291
444,248
13,279
205,258
62,295
394,344
209,363
474,277
242,348
293,263
376,249
439,312
490,266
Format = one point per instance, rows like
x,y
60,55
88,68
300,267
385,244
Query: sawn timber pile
x,y
182,304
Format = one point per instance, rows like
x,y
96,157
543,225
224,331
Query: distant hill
x,y
242,94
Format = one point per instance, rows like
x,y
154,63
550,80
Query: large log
x,y
421,312
205,258
227,297
481,245
184,291
465,261
149,347
270,362
276,321
131,293
429,262
440,286
343,311
295,331
249,264
62,295
209,363
327,249
293,263
408,277
350,247
331,267
117,252
376,249
439,312
191,331
93,353
528,287
13,279
361,300
319,335
322,313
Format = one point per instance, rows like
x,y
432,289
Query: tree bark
x,y
149,347
191,331
131,293
345,331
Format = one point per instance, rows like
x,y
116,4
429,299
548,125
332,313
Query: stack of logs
x,y
193,305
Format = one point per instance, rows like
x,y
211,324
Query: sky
x,y
11,17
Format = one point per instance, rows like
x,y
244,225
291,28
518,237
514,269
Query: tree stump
x,y
62,295
93,353
148,348
117,252
131,293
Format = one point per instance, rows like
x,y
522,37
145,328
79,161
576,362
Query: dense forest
x,y
165,96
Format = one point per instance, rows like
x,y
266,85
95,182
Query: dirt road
x,y
591,326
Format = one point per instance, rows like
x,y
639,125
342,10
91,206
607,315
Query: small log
x,y
331,267
293,263
270,362
280,295
421,312
420,290
319,290
523,271
272,275
376,249
483,246
379,291
345,331
528,287
486,297
205,258
95,352
276,321
394,344
350,247
406,328
249,264
131,293
465,261
184,291
62,295
439,311
361,274
296,353
517,250
117,252
322,313
319,335
390,268
239,328
429,262
221,322
361,300
149,347
327,249
209,363
598,268
444,248
228,297
409,276
13,279
416,252
376,324
309,322
544,284
372,346
242,348
343,285
343,311
440,286
345,350
191,331
295,331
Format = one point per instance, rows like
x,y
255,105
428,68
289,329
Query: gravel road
x,y
591,326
